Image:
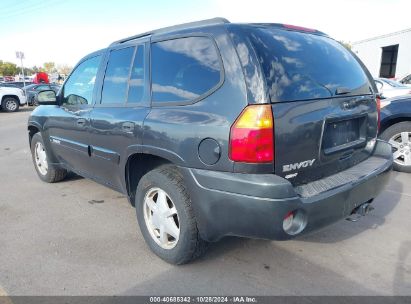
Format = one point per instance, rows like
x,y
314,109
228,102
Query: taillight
x,y
252,135
378,100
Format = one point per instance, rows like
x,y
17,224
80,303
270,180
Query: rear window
x,y
300,66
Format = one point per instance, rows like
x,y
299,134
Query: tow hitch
x,y
361,210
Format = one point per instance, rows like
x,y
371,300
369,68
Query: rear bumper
x,y
255,205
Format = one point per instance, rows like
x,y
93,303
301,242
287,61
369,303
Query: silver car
x,y
390,88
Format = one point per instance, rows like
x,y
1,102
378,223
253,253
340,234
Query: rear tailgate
x,y
317,138
323,101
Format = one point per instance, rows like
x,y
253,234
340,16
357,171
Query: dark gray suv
x,y
214,129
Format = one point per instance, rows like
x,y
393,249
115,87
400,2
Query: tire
x,y
399,136
184,246
47,173
34,103
10,104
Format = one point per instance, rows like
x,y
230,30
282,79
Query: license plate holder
x,y
342,134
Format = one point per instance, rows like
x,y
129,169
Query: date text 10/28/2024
x,y
203,299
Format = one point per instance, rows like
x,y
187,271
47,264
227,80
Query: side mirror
x,y
46,98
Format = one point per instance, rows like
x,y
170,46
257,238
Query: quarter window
x,y
78,89
116,78
183,69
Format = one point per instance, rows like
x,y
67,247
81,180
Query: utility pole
x,y
20,55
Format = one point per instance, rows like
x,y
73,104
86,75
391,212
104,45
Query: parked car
x,y
406,80
33,89
8,78
214,129
391,88
396,129
14,84
11,99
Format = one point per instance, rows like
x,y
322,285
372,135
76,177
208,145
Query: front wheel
x,y
166,217
46,171
399,136
10,104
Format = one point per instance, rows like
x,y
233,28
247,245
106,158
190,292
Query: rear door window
x,y
136,84
183,69
301,66
116,78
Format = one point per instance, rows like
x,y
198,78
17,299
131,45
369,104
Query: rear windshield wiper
x,y
342,91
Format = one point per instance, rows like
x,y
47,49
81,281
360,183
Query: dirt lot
x,y
61,239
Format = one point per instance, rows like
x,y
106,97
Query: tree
x,y
28,71
49,67
64,69
8,68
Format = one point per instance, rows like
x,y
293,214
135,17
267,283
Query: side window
x,y
136,84
116,79
42,88
183,69
78,89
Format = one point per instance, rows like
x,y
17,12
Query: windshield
x,y
301,66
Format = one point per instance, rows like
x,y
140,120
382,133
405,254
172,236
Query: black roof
x,y
174,28
211,22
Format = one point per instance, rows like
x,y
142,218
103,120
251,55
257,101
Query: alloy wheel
x,y
40,158
401,146
11,105
161,218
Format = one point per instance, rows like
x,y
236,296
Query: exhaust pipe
x,y
361,210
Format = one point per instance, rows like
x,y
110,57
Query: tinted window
x,y
184,68
136,84
78,89
116,78
43,87
300,66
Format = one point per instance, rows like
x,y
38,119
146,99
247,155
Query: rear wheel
x,y
399,136
166,217
34,103
46,171
10,104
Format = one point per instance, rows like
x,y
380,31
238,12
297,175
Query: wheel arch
x,y
137,165
392,121
10,95
33,129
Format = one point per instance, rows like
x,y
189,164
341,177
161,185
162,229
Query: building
x,y
386,56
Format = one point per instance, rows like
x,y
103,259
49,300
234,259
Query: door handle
x,y
128,126
81,122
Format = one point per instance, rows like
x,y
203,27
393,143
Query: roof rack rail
x,y
217,20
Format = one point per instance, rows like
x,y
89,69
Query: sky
x,y
65,31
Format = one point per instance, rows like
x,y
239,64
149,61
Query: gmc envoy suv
x,y
212,129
